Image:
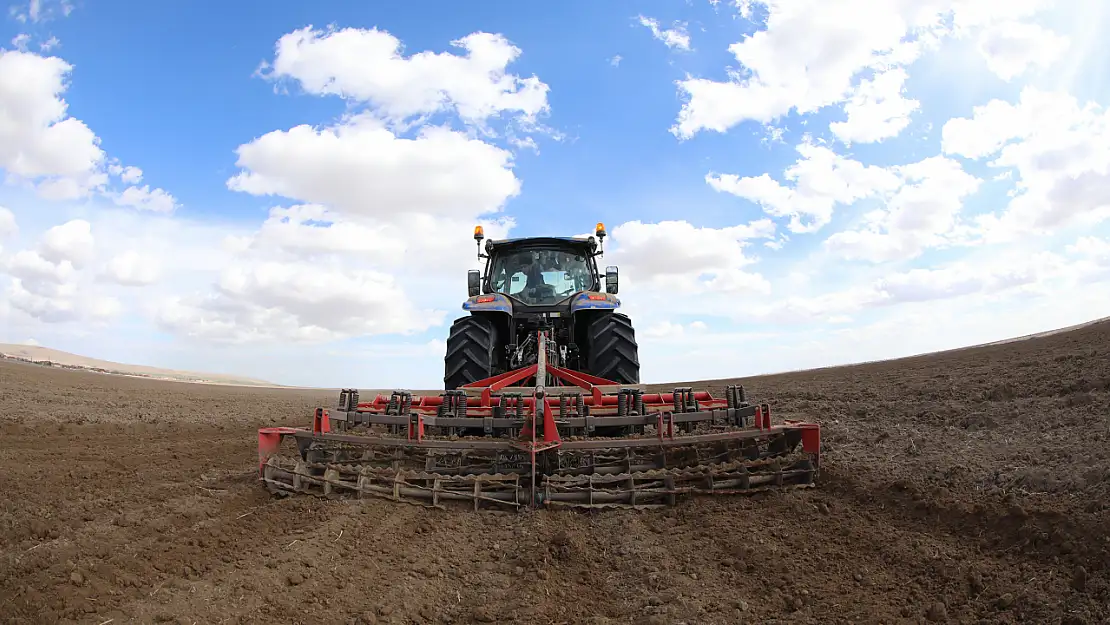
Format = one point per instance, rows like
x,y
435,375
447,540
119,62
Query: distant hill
x,y
58,358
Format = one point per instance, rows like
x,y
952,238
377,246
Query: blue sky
x,y
287,190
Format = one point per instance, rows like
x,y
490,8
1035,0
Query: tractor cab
x,y
539,276
541,271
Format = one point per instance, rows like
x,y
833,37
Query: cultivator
x,y
541,435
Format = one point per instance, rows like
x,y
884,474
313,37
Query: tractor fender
x,y
489,302
594,300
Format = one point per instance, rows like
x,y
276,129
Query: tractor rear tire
x,y
613,352
470,351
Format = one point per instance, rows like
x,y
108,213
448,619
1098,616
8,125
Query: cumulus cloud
x,y
145,198
815,53
367,65
359,167
805,59
1059,149
822,179
877,109
128,174
1012,47
31,266
678,257
69,242
293,301
8,225
38,140
983,276
41,144
131,268
922,213
47,283
365,249
1091,247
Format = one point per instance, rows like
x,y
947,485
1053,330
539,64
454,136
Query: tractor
x,y
537,284
542,407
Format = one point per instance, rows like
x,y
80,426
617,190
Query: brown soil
x,y
965,487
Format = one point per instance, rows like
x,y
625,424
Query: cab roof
x,y
574,243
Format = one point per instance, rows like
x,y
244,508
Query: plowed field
x,y
968,486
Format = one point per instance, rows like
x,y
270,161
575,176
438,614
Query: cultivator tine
x,y
661,487
414,487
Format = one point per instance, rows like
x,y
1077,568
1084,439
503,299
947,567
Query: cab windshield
x,y
540,277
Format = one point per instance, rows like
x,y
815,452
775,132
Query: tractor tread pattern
x,y
470,352
613,352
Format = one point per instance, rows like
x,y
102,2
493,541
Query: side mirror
x,y
611,280
473,282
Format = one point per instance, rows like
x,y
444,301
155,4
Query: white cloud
x,y
953,323
310,274
804,60
40,143
30,266
675,37
1060,151
39,11
811,51
674,268
71,241
37,139
676,256
8,226
367,65
128,174
1092,248
822,179
366,250
922,213
1012,47
131,268
877,109
987,274
143,198
274,301
361,168
668,330
47,283
305,230
63,304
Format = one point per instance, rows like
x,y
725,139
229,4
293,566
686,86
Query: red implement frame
x,y
534,420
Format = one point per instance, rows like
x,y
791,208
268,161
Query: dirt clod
x,y
975,582
1079,579
484,614
937,612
